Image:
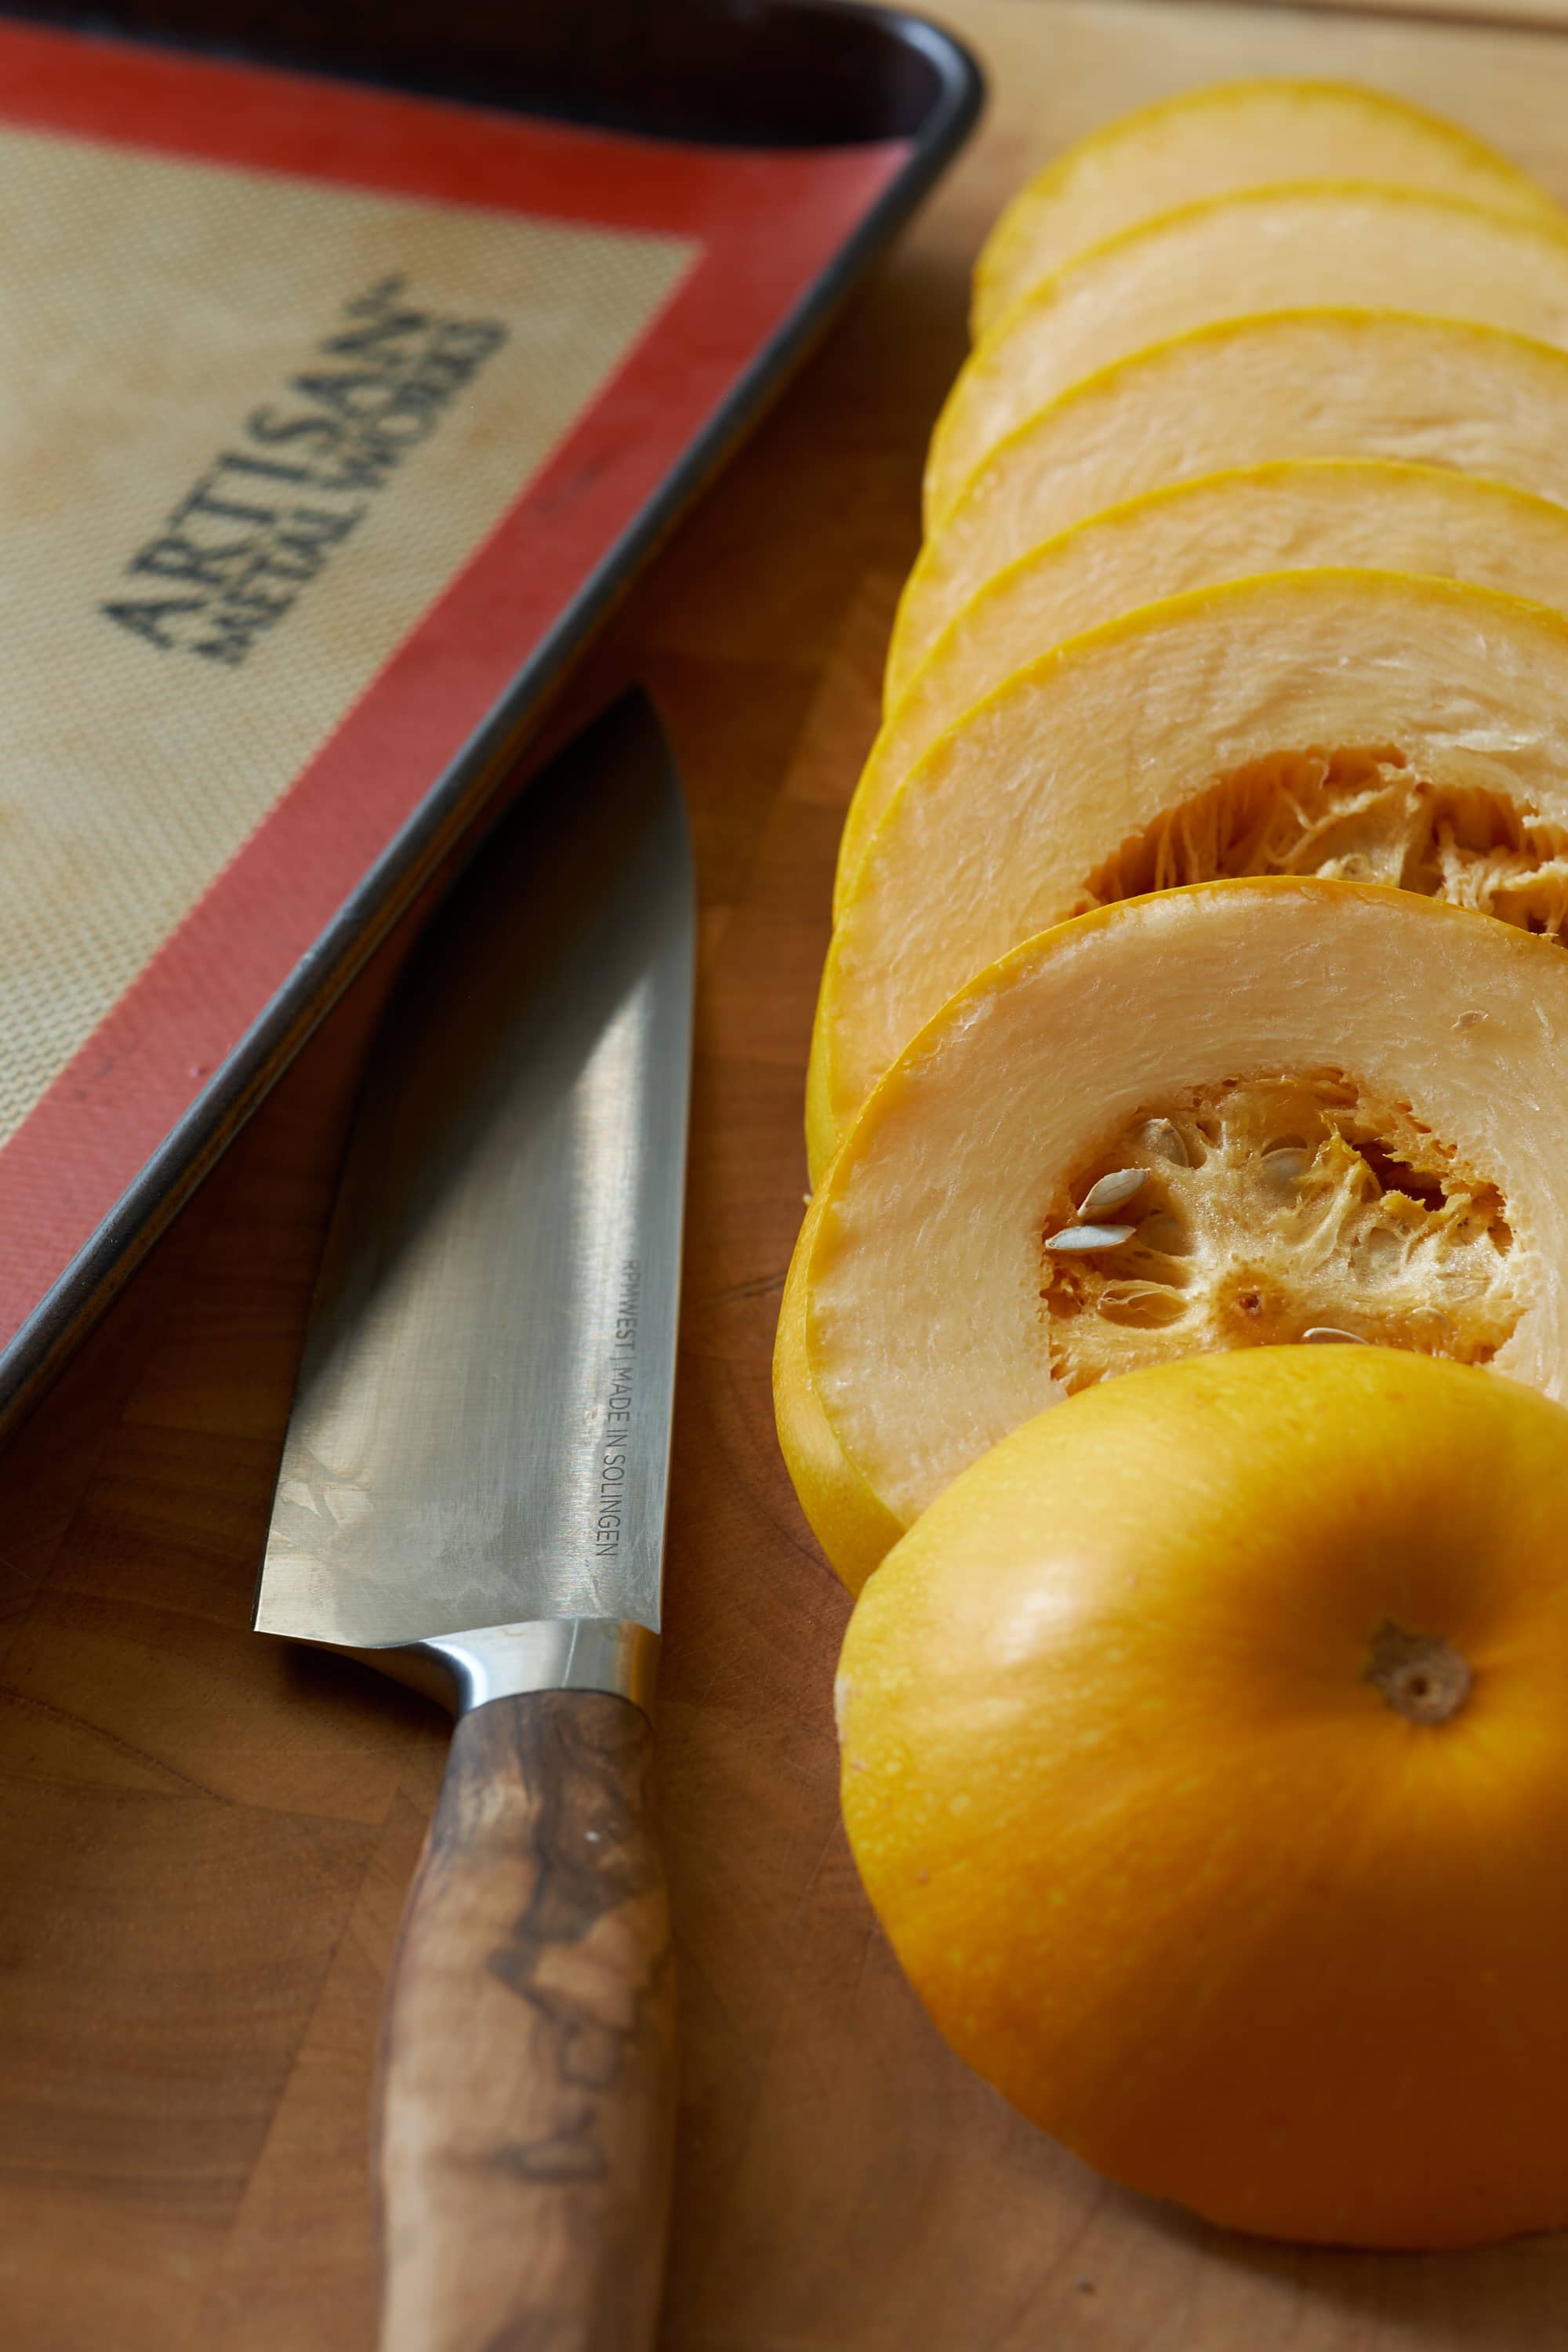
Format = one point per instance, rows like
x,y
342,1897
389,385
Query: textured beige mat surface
x,y
251,428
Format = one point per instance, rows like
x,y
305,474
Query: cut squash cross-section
x,y
1246,392
1212,142
1425,518
1253,1112
1357,723
1286,247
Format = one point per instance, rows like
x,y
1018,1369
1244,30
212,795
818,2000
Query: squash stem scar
x,y
1422,1678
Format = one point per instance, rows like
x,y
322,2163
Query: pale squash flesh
x,y
1356,723
1273,249
1422,519
1290,385
1350,1108
1214,141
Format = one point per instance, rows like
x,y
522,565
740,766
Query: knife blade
x,y
472,1496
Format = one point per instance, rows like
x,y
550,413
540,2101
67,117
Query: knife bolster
x,y
464,1671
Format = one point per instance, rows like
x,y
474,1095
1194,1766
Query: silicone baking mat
x,y
319,405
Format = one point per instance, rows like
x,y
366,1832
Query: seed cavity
x,y
1273,1210
1163,1233
1359,813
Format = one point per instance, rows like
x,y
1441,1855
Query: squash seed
x,y
1164,1137
1111,1192
1287,1162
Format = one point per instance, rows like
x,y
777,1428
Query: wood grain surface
x,y
527,2094
208,1839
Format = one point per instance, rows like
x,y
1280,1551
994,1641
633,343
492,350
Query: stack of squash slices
x,y
1195,982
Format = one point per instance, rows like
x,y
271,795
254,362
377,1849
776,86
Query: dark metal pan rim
x,y
730,73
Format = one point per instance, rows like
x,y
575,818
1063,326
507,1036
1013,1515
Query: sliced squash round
x,y
1212,142
1425,518
1283,248
1249,1113
1290,384
1356,723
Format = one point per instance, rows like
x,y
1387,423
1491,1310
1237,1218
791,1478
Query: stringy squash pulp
x,y
1203,1758
1244,392
1358,724
1328,1107
1423,519
1285,248
1214,141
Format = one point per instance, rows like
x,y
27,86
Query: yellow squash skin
x,y
1319,384
1214,141
1422,518
844,1511
1165,1866
1292,246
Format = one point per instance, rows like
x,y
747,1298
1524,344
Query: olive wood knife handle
x,y
528,2050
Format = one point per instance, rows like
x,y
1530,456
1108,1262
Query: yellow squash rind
x,y
1291,246
1214,141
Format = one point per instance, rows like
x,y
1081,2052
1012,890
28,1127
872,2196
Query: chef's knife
x,y
472,1496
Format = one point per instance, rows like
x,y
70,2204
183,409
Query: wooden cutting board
x,y
206,1840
